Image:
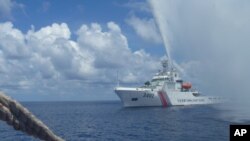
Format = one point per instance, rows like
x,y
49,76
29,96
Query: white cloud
x,y
12,41
146,28
138,6
111,52
110,48
43,59
50,33
43,66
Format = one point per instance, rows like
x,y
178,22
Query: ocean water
x,y
109,121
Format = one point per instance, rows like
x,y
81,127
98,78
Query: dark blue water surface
x,y
109,121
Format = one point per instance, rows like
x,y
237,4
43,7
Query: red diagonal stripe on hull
x,y
163,99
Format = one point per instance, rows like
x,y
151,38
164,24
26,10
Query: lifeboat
x,y
186,85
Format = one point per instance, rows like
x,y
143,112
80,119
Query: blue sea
x,y
109,121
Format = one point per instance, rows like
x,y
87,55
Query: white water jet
x,y
161,22
210,40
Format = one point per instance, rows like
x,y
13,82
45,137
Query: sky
x,y
72,50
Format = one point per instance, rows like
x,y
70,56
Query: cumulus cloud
x,y
111,51
12,41
210,38
145,28
43,59
109,48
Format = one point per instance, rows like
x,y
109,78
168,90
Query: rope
x,y
22,119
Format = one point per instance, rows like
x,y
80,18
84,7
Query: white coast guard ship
x,y
165,89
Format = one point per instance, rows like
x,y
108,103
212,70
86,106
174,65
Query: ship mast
x,y
165,65
168,69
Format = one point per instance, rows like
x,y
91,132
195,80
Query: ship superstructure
x,y
165,89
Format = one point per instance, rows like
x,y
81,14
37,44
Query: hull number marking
x,y
148,95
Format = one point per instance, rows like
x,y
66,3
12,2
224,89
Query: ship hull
x,y
137,97
132,97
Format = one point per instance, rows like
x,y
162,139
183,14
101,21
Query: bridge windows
x,y
134,99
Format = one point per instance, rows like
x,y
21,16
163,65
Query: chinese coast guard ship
x,y
165,89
